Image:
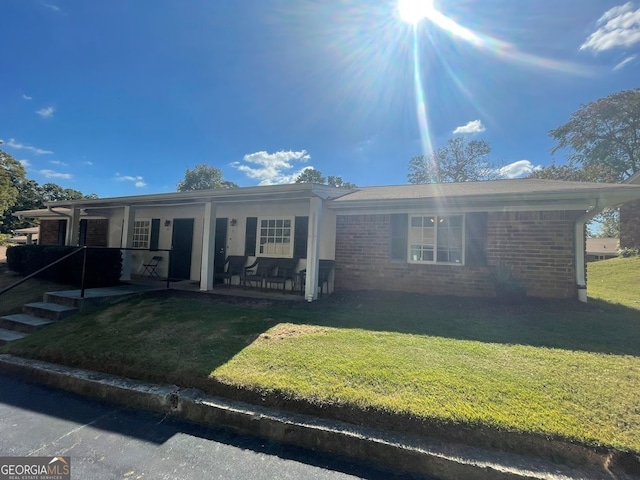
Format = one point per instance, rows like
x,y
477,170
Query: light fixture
x,y
167,223
233,222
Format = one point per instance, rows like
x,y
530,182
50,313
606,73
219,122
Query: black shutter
x,y
300,237
476,232
82,236
250,236
155,234
62,232
399,233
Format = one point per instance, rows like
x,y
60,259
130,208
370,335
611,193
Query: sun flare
x,y
412,11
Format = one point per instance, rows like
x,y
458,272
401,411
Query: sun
x,y
412,11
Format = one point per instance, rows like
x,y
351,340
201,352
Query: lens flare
x,y
412,11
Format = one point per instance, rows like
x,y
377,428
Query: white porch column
x,y
207,272
73,230
126,241
313,249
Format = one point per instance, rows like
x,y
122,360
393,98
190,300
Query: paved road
x,y
106,441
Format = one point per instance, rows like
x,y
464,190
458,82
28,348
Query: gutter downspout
x,y
581,278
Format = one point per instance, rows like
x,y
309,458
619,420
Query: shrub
x,y
628,252
102,269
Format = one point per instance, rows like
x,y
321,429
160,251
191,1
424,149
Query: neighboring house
x,y
601,248
25,236
630,219
434,239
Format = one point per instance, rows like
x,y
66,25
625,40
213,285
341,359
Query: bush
x,y
628,252
102,270
5,239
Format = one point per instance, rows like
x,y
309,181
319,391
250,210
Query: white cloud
x,y
46,112
138,181
272,168
87,162
53,7
26,97
518,169
625,62
474,126
617,27
58,162
24,163
19,146
53,174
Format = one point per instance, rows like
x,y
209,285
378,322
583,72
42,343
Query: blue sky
x,y
120,97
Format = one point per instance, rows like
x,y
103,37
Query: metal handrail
x,y
42,270
84,265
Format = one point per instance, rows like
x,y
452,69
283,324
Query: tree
x,y
572,173
12,177
312,175
458,161
605,133
203,177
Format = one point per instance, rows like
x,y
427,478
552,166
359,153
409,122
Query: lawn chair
x,y
150,269
283,270
325,268
234,267
257,271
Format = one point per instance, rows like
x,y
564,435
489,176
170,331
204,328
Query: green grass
x,y
616,280
559,368
30,291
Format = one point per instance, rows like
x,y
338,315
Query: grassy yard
x,y
559,368
30,291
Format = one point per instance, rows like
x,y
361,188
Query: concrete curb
x,y
408,453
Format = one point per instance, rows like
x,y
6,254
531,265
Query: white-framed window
x,y
275,237
436,239
141,233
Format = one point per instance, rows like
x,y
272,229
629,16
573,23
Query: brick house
x,y
433,239
630,219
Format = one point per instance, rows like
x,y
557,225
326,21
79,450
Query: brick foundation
x,y
538,245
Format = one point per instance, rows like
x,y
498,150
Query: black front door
x,y
182,244
221,246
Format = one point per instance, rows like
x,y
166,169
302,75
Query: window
x,y
436,239
141,233
274,237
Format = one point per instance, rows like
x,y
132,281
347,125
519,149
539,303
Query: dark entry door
x,y
221,245
182,243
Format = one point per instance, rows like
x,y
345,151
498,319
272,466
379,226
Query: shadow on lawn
x,y
566,324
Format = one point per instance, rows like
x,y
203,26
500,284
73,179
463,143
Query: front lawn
x,y
559,368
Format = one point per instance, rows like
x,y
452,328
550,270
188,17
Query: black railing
x,y
84,266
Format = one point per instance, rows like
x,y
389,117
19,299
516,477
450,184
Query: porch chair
x,y
283,270
150,269
325,268
257,271
234,266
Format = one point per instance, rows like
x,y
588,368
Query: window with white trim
x,y
141,233
275,237
436,239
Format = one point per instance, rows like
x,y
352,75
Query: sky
x,y
121,97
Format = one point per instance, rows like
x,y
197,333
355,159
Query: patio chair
x,y
150,269
257,271
234,266
324,273
283,270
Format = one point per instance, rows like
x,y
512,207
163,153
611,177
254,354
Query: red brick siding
x,y
97,232
630,225
539,246
48,232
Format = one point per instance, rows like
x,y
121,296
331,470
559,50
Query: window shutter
x,y
399,233
155,234
300,237
476,232
250,236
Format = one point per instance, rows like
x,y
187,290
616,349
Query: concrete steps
x,y
35,315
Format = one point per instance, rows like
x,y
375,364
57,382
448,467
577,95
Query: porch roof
x,y
219,196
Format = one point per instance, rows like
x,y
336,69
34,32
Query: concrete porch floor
x,y
220,289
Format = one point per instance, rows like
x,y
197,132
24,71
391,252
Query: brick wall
x,y
630,225
49,232
539,246
97,232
